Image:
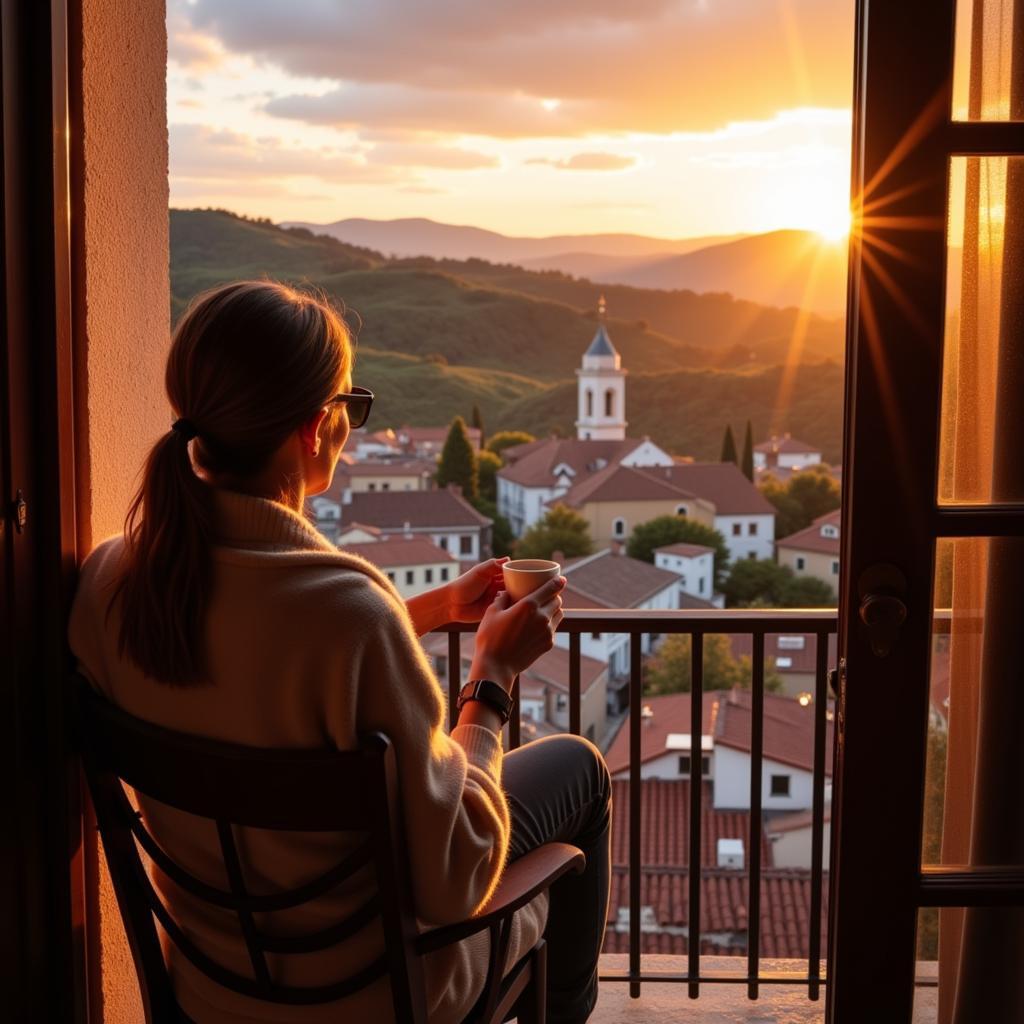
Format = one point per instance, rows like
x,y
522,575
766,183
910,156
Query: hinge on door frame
x,y
19,511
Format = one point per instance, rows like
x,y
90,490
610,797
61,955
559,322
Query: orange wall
x,y
122,311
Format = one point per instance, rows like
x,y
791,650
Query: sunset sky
x,y
674,118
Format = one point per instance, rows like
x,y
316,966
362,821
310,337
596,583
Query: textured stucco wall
x,y
122,310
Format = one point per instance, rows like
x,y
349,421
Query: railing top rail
x,y
712,620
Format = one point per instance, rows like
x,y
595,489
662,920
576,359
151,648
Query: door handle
x,y
882,608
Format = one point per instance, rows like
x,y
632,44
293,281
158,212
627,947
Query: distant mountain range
x,y
418,236
438,336
780,268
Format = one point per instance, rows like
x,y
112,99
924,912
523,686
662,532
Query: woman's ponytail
x,y
166,580
249,363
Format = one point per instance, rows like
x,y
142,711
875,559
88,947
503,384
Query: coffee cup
x,y
524,575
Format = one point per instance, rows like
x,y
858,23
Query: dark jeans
x,y
559,790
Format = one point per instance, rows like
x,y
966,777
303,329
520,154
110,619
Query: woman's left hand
x,y
471,594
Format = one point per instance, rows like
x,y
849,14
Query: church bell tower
x,y
602,388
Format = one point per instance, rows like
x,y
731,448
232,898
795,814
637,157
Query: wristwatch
x,y
487,692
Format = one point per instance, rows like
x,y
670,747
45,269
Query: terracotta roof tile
x,y
785,911
391,510
721,483
616,581
810,539
622,483
389,467
533,464
665,824
788,728
398,551
686,550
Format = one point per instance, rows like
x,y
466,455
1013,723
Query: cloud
x,y
392,107
481,68
451,158
589,162
198,151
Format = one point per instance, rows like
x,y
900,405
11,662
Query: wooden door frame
x,y
904,136
43,885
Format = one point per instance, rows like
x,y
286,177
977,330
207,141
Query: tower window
x,y
590,403
609,403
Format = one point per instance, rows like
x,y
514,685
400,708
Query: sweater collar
x,y
250,522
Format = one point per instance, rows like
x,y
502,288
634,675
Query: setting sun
x,y
834,227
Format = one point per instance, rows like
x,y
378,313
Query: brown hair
x,y
249,363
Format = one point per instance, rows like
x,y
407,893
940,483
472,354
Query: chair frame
x,y
278,789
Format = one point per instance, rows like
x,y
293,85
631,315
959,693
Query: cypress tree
x,y
729,447
747,463
476,420
457,464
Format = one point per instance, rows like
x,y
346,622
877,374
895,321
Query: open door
x,y
930,795
41,883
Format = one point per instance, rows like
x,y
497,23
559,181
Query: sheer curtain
x,y
981,951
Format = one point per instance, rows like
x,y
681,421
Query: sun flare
x,y
834,226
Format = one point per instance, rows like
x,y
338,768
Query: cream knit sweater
x,y
309,647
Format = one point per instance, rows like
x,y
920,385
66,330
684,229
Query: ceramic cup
x,y
524,575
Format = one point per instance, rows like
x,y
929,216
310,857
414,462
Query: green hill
x,y
686,411
437,337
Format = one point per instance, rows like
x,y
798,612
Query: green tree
x,y
670,669
476,420
747,461
663,530
761,583
502,539
807,592
487,466
562,529
729,446
508,439
803,498
457,464
756,582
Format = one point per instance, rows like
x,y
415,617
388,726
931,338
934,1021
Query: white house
x,y
666,747
743,515
814,551
785,453
413,564
442,516
694,564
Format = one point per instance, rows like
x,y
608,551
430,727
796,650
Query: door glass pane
x,y
975,760
974,966
983,368
989,49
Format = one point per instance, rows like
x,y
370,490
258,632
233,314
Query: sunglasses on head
x,y
359,401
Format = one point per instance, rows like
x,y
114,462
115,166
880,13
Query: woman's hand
x,y
471,594
514,634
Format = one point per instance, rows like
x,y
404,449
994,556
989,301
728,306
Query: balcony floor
x,y
719,1004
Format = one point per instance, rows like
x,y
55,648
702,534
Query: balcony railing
x,y
756,624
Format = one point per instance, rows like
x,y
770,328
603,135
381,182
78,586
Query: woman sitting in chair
x,y
223,613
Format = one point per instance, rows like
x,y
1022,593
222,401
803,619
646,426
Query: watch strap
x,y
488,692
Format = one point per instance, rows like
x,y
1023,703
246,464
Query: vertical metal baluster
x,y
454,675
635,696
696,795
574,684
513,722
756,766
818,815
